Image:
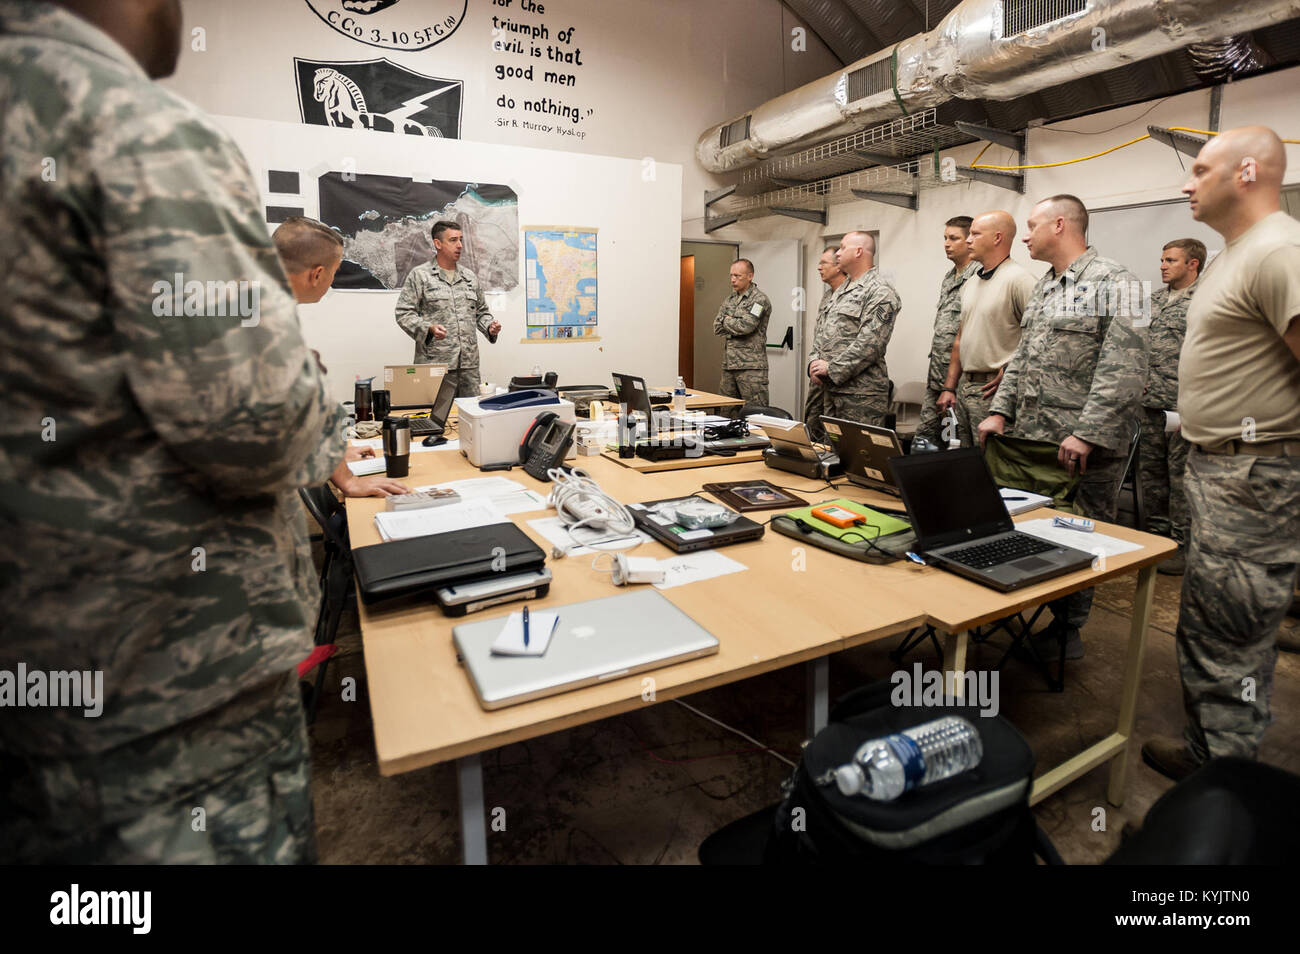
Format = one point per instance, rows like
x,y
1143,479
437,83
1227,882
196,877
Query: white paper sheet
x,y
504,494
1088,542
694,567
404,524
552,528
1032,502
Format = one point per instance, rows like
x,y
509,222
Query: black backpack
x,y
981,816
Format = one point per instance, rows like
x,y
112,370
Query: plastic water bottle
x,y
883,769
679,396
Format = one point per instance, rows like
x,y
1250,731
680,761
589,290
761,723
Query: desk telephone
x,y
545,444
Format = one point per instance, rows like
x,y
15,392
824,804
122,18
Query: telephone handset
x,y
545,444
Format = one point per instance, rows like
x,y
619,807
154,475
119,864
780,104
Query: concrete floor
x,y
647,787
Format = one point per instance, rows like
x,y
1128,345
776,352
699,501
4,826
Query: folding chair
x,y
337,590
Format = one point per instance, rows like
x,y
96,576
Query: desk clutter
x,y
455,544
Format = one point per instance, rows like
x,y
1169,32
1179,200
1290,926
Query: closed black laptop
x,y
962,523
402,567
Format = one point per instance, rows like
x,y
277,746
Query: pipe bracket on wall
x,y
1012,140
808,215
1188,145
1015,181
903,200
714,222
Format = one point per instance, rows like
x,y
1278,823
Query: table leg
x,y
954,657
473,818
819,694
1137,644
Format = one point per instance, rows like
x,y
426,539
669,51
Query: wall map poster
x,y
560,272
378,95
393,24
386,223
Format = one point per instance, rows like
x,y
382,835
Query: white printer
x,y
492,428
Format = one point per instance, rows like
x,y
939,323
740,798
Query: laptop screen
x,y
633,393
950,496
443,402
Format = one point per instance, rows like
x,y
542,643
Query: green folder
x,y
883,523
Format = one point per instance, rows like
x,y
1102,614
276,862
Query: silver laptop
x,y
865,452
413,385
596,640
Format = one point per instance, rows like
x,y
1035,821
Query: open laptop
x,y
412,386
436,422
594,641
962,524
865,452
684,540
793,451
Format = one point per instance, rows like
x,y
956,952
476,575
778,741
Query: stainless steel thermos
x,y
397,445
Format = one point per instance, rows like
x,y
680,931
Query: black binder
x,y
403,567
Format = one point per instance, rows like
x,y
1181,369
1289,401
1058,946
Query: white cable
x,y
582,505
748,738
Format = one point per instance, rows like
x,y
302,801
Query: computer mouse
x,y
433,440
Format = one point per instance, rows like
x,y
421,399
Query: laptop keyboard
x,y
981,556
423,426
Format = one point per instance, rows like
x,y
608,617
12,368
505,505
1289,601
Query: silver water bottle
x,y
397,445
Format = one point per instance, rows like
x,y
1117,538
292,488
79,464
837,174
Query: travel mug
x,y
381,402
364,400
397,446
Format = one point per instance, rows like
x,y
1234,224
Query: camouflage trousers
x,y
853,406
930,426
1243,553
1162,458
971,407
229,787
467,381
1097,498
749,384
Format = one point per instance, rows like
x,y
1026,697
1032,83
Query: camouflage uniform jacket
x,y
947,322
133,438
743,320
1082,358
853,339
1166,334
427,299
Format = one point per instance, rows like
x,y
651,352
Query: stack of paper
x,y
541,626
1011,498
404,524
505,495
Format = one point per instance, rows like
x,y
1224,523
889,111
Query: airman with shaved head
x,y
1239,400
991,307
848,356
1076,378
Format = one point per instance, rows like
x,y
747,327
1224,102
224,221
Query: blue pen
x,y
525,626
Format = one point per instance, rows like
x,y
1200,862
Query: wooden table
x,y
768,617
697,400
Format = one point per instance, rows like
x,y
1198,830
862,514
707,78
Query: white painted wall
x,y
638,250
911,244
656,73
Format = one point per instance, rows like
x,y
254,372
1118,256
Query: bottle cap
x,y
849,779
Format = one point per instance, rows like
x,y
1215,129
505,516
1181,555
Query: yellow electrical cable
x,y
1066,162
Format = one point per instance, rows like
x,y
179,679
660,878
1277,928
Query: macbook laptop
x,y
962,524
685,540
594,641
865,452
412,386
436,422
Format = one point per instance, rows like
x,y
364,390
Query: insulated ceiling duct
x,y
983,49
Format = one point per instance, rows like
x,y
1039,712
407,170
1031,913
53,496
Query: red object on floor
x,y
318,656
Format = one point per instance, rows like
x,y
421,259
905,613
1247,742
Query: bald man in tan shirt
x,y
1239,399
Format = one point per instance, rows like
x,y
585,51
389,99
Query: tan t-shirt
x,y
991,306
1236,376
